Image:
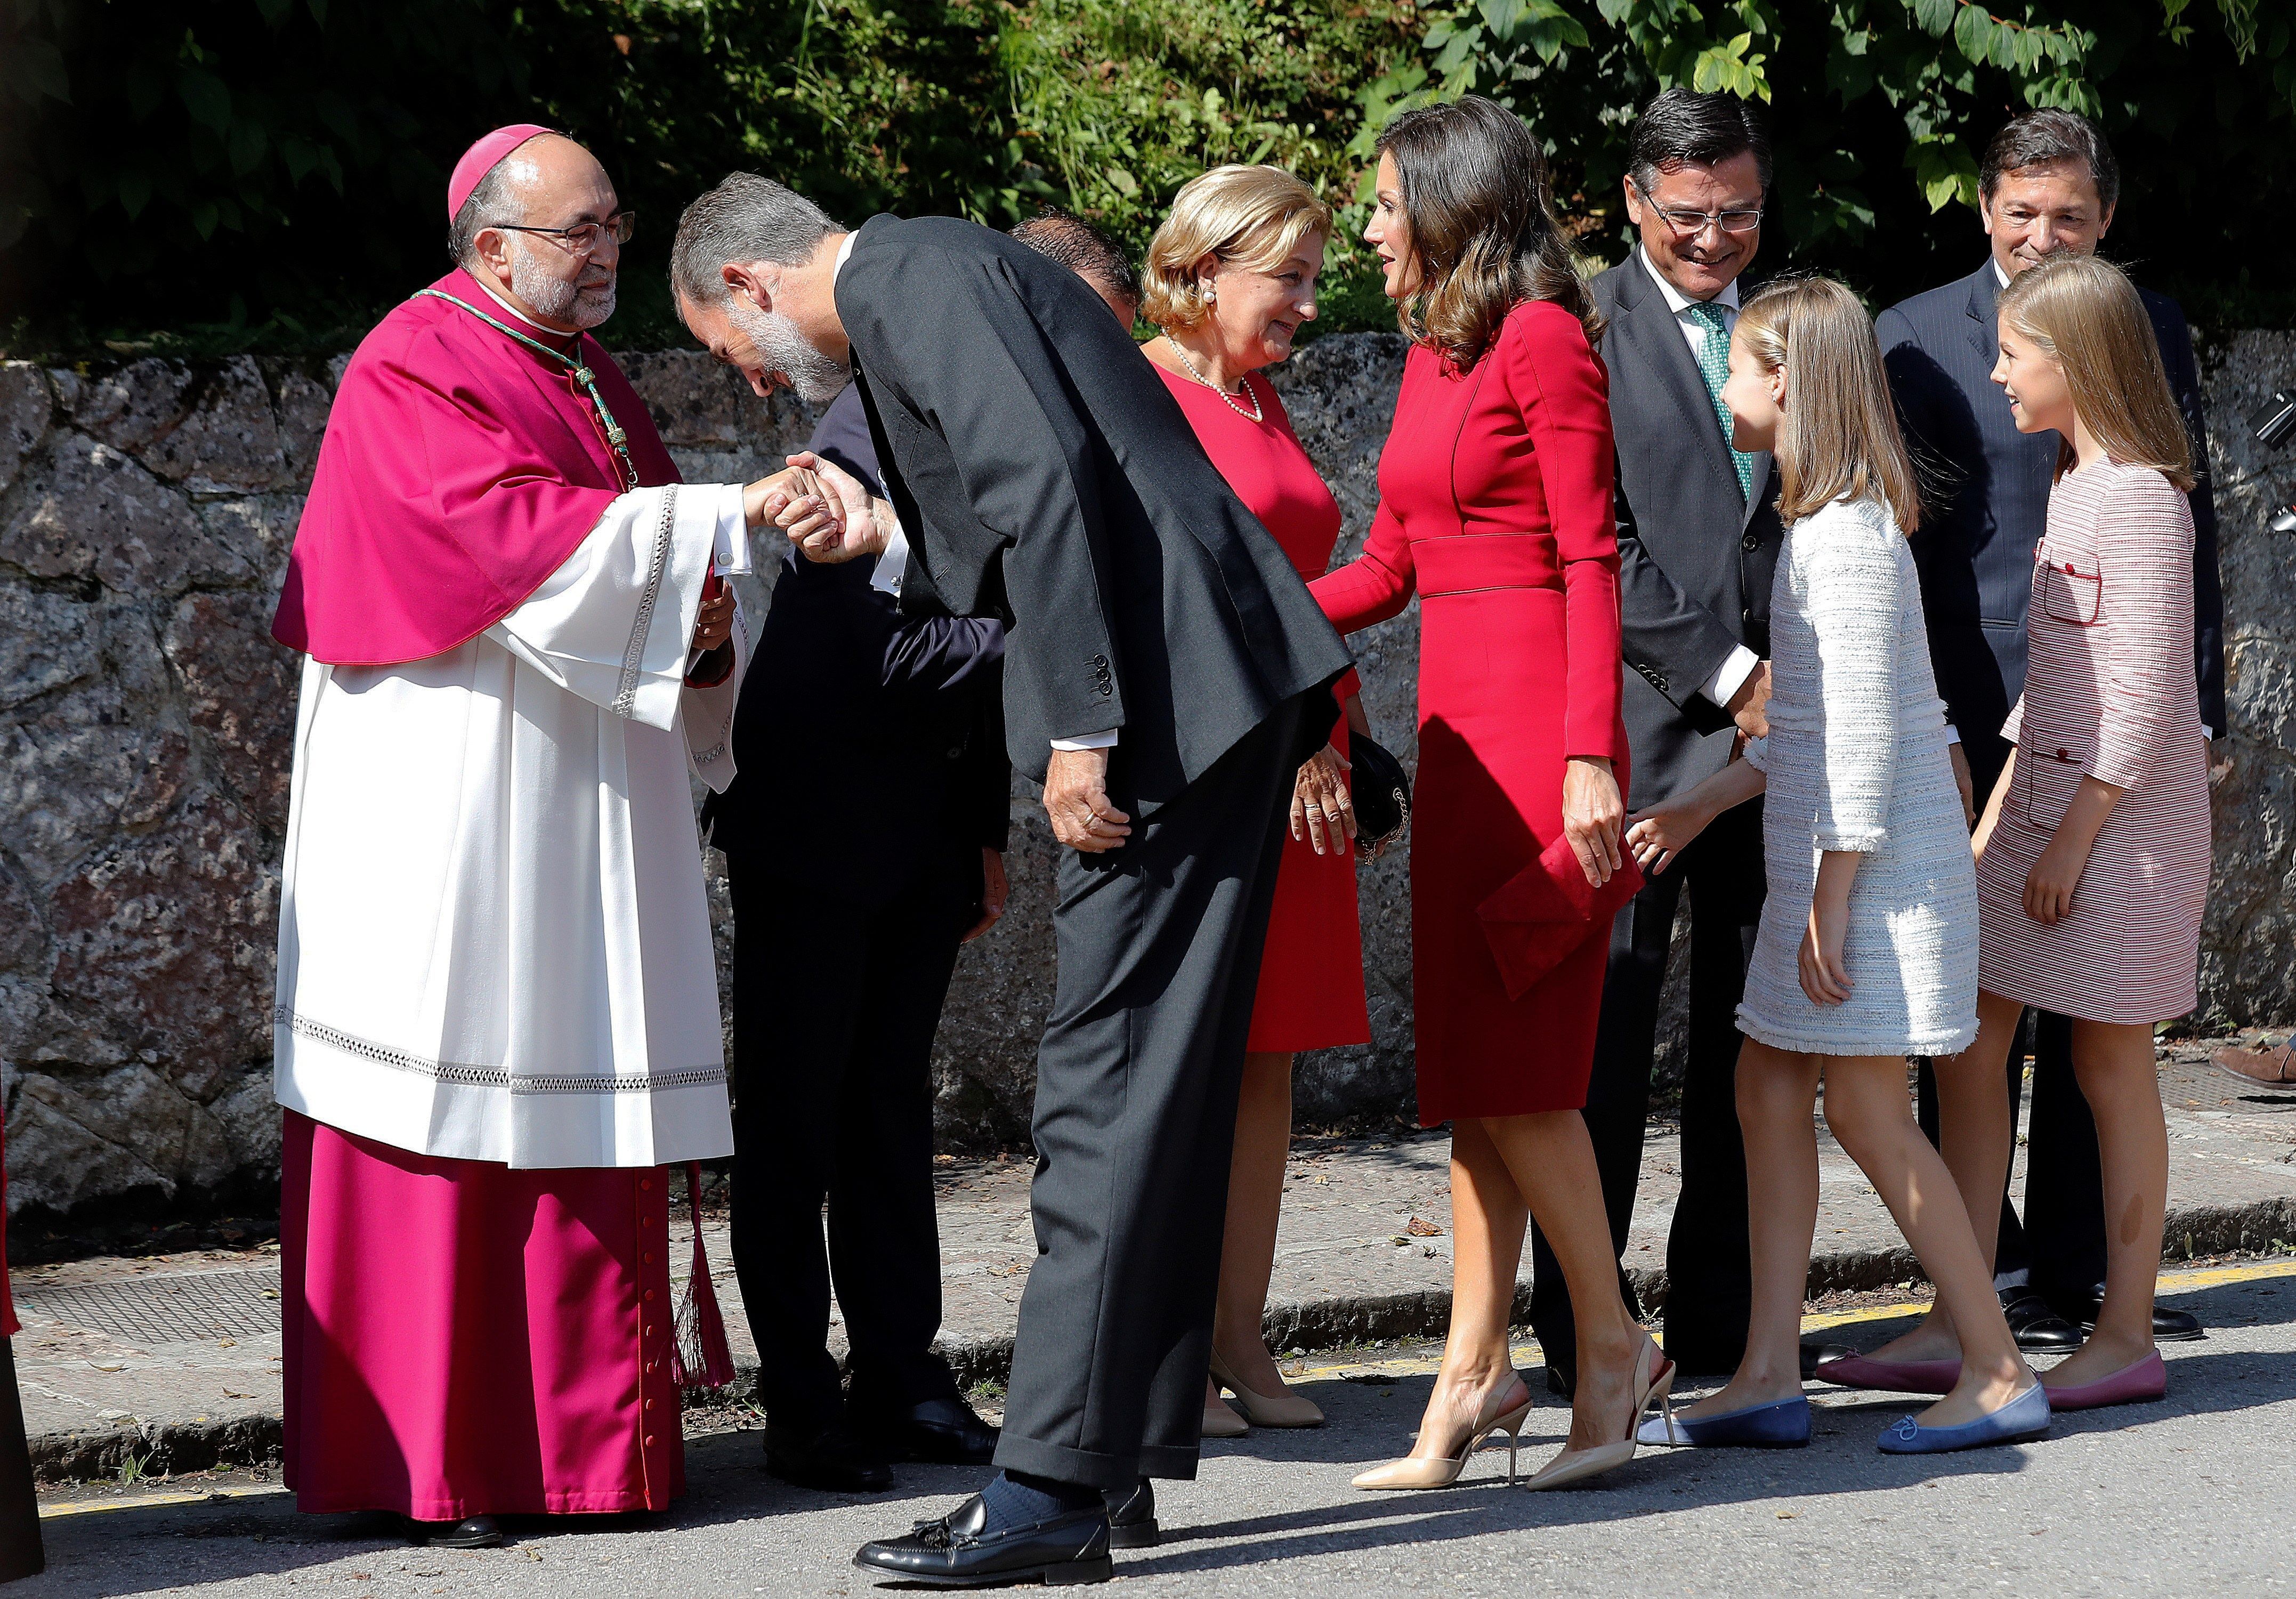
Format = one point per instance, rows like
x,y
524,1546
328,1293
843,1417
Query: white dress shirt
x,y
1741,661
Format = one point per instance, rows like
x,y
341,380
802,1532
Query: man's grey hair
x,y
488,206
746,218
2040,138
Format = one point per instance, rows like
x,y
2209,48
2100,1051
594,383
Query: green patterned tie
x,y
1713,367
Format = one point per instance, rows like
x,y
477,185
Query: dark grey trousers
x,y
1137,1085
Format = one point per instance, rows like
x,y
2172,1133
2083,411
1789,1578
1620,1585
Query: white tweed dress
x,y
1856,761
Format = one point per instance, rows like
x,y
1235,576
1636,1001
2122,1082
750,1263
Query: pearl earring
x,y
1210,294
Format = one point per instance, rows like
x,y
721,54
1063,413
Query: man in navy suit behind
x,y
2048,183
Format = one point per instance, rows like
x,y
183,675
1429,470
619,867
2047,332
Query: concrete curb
x,y
180,1447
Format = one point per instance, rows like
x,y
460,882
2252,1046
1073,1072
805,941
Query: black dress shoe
x,y
2035,1326
471,1532
1132,1517
2168,1326
832,1459
961,1551
942,1431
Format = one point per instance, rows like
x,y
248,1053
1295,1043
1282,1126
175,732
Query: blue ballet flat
x,y
1779,1424
2023,1417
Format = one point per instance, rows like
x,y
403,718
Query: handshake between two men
x,y
830,517
826,513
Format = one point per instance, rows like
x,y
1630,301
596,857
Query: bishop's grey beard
x,y
584,304
817,376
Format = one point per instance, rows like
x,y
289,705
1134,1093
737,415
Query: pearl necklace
x,y
1253,414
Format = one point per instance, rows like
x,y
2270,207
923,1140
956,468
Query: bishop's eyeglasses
x,y
582,238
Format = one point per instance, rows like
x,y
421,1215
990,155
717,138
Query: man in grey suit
x,y
2048,183
1159,657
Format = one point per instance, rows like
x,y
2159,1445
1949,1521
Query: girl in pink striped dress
x,y
2092,854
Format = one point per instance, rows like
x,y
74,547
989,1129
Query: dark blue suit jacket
x,y
1985,504
845,698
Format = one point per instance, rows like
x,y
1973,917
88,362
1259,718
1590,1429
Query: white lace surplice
x,y
493,941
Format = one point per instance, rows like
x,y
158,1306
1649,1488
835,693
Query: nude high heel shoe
x,y
1414,1471
1653,1380
1266,1410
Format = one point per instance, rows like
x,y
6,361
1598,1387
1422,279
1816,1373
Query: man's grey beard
x,y
817,376
577,305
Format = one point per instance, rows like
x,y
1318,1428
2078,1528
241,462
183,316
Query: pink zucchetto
x,y
483,158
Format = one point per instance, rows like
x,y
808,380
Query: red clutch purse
x,y
1547,910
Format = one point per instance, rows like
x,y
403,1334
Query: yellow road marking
x,y
1528,1353
81,1507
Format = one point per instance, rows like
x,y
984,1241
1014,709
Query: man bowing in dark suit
x,y
2048,183
1160,654
834,1060
1698,539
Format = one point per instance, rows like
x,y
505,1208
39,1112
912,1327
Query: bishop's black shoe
x,y
941,1431
961,1551
1132,1517
833,1459
471,1532
2035,1326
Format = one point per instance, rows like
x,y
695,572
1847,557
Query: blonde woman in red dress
x,y
1496,510
1230,278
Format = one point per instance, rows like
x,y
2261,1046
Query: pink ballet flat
x,y
1893,1376
2148,1379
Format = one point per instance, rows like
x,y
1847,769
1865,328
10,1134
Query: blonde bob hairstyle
x,y
1251,218
2087,317
1838,435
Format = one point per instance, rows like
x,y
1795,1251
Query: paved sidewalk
x,y
173,1361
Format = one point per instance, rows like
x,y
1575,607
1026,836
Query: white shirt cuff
x,y
1090,741
1732,677
2208,732
893,565
730,553
1951,734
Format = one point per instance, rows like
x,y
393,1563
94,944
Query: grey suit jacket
x,y
1695,559
1985,493
1045,473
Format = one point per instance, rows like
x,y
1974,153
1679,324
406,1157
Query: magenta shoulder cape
x,y
459,469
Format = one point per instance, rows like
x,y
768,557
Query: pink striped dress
x,y
2109,694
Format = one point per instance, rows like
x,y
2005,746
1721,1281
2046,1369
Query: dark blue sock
x,y
1016,1499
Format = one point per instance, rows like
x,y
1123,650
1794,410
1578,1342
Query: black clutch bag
x,y
1382,794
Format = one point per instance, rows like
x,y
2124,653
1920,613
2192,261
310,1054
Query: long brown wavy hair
x,y
1475,192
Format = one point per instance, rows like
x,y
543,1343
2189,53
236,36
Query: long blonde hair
x,y
1838,435
2085,315
1252,217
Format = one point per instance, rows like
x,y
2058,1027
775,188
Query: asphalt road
x,y
2196,1495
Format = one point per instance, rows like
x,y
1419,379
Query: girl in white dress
x,y
1867,948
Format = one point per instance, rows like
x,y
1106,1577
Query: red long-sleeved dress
x,y
1496,507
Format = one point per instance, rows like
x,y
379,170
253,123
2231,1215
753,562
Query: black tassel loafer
x,y
959,1551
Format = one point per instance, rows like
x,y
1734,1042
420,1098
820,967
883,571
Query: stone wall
x,y
145,716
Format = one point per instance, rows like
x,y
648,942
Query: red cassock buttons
x,y
649,1296
649,1444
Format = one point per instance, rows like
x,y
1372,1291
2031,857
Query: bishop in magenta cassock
x,y
497,1023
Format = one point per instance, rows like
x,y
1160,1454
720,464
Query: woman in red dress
x,y
1230,277
1495,507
